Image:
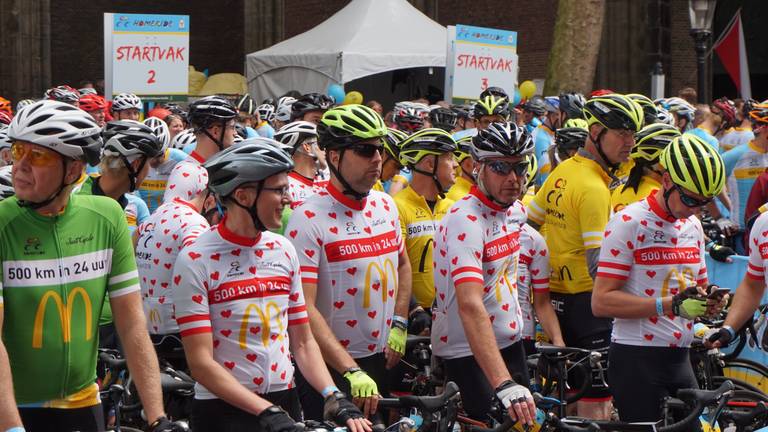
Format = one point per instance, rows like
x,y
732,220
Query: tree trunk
x,y
575,46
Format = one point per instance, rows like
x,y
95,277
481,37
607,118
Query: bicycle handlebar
x,y
703,398
428,404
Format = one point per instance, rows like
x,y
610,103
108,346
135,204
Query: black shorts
x,y
476,392
312,402
88,419
581,329
641,376
215,415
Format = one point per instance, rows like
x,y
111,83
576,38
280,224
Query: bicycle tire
x,y
748,371
748,364
739,384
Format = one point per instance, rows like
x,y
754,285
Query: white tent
x,y
364,38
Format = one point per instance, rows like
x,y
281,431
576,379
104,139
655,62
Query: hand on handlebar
x,y
721,253
162,424
339,409
365,392
274,419
721,338
518,401
727,226
419,322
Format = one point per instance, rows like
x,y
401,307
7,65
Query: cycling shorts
x,y
87,419
215,415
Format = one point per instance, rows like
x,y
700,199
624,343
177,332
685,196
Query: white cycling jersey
x,y
300,188
758,249
532,275
180,172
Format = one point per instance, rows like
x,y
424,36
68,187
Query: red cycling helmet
x,y
92,102
5,118
726,109
601,92
159,112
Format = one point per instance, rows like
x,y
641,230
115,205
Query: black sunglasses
x,y
504,168
690,201
367,150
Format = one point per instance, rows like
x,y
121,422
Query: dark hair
x,y
636,175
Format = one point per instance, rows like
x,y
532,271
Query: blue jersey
x,y
152,188
543,138
264,130
136,211
706,136
530,127
735,137
743,165
463,133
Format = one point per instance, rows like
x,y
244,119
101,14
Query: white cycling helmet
x,y
24,102
680,106
87,90
284,106
6,183
160,130
293,134
60,127
183,138
664,116
5,142
125,101
266,112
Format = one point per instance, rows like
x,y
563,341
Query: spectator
x,y
689,94
376,106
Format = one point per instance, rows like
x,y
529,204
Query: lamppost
x,y
701,13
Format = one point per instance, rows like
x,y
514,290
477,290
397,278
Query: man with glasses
x,y
300,140
652,279
478,324
574,204
355,271
62,255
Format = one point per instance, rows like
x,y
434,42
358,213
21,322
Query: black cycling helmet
x,y
650,113
462,111
613,111
572,104
119,126
245,104
252,161
443,118
537,105
494,91
569,139
426,142
310,102
500,140
208,111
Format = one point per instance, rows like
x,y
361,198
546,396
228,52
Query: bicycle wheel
x,y
748,371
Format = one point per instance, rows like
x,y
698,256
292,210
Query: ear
x,y
74,170
333,156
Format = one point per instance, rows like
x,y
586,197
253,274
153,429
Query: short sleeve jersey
x,y
419,224
300,188
459,190
177,177
246,292
574,205
758,249
350,249
735,137
476,242
174,225
743,165
153,187
56,273
621,197
136,211
532,275
657,256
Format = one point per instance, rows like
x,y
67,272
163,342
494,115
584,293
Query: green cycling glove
x,y
689,304
361,384
397,338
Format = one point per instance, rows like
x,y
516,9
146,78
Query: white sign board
x,y
147,55
479,58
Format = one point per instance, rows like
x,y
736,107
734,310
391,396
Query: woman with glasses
x,y
652,279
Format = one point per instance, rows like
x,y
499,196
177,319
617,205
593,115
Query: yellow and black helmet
x,y
392,142
651,140
491,105
429,141
649,109
614,111
463,148
694,165
349,124
533,169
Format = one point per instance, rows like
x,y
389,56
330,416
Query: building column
x,y
264,24
25,49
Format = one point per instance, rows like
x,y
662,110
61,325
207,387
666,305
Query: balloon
x,y
527,89
336,92
353,97
516,98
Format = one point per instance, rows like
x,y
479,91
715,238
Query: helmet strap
x,y
219,142
612,167
667,194
133,174
252,210
348,190
441,190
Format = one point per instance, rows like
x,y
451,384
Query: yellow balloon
x,y
353,97
527,89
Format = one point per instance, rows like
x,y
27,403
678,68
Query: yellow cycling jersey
x,y
418,223
621,174
574,205
622,197
378,186
459,190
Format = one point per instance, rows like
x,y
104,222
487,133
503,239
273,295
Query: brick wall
x,y
682,68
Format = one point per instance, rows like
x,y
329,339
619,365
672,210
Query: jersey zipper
x,y
63,294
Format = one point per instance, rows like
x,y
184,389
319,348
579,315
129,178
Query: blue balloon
x,y
336,92
516,98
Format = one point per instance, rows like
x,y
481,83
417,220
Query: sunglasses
x,y
690,201
504,168
35,156
367,150
282,191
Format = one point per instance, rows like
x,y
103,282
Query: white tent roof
x,y
366,37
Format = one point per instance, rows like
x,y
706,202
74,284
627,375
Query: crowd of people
x,y
289,248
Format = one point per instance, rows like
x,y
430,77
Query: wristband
x,y
331,389
352,370
730,331
659,307
16,429
398,321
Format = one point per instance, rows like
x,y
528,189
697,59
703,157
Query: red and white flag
x,y
732,51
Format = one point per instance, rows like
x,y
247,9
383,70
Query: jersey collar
x,y
475,191
300,178
585,158
180,201
347,201
231,237
196,156
657,209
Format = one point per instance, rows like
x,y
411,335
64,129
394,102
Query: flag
x,y
732,51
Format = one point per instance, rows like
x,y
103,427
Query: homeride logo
x,y
65,315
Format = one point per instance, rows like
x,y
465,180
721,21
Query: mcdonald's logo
x,y
266,327
383,274
154,316
503,276
682,279
65,315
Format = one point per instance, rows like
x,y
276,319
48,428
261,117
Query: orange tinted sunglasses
x,y
35,156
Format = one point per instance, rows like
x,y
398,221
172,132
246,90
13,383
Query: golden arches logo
x,y
681,277
65,315
266,328
503,276
383,274
154,316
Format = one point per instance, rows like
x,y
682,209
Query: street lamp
x,y
701,13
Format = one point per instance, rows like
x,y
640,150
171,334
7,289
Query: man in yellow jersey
x,y
390,165
575,204
645,175
428,153
466,167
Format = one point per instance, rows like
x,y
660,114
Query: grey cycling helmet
x,y
253,160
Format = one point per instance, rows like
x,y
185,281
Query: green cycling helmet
x,y
694,165
614,111
349,124
429,141
491,105
652,140
463,148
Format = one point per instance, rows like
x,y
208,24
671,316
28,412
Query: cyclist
x,y
126,106
490,109
355,272
63,93
94,105
465,178
443,118
682,111
409,116
741,132
310,107
153,187
240,308
571,106
706,124
212,119
5,146
728,113
533,110
427,153
464,118
477,325
246,109
159,240
266,115
6,182
53,361
391,168
283,111
568,140
652,279
300,137
574,205
645,175
175,125
185,141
